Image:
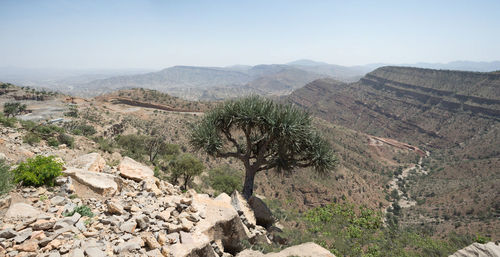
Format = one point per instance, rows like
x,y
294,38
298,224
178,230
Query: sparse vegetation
x,y
83,210
38,171
6,121
225,180
6,177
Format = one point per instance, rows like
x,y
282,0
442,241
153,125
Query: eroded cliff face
x,y
454,115
431,107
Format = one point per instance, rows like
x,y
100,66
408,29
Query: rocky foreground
x,y
97,210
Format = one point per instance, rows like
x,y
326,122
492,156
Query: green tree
x,y
13,109
264,135
186,167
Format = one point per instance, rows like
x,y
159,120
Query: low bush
x,y
83,210
66,139
31,138
28,124
80,128
224,179
6,121
105,145
52,142
38,171
133,146
5,177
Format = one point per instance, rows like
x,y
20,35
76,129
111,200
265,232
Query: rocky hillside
x,y
454,115
99,210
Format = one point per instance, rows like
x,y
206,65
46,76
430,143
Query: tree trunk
x,y
248,186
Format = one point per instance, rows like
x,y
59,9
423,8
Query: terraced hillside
x,y
454,115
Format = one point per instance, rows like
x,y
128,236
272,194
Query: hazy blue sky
x,y
157,34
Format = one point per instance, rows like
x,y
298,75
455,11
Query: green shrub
x,y
83,129
5,177
6,121
224,179
481,239
48,130
133,146
28,124
38,171
52,142
31,138
73,112
83,210
105,145
66,139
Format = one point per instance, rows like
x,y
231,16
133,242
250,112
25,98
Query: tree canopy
x,y
13,109
263,135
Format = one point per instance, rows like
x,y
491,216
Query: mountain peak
x,y
307,62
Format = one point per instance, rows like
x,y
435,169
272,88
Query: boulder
x,y
222,223
8,233
23,235
134,170
223,197
101,183
489,249
91,162
76,253
94,252
302,250
263,214
115,208
22,210
28,246
241,206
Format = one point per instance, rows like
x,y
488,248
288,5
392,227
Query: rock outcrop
x,y
90,162
303,250
131,169
490,249
102,183
263,214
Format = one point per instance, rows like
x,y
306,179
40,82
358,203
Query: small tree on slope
x,y
263,135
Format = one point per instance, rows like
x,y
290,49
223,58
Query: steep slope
x,y
454,115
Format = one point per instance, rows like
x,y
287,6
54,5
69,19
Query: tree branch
x,y
229,154
232,140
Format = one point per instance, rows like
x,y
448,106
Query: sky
x,y
123,34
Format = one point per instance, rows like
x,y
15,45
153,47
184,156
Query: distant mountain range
x,y
209,83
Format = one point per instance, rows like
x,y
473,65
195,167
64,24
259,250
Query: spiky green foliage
x,y
41,170
264,135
